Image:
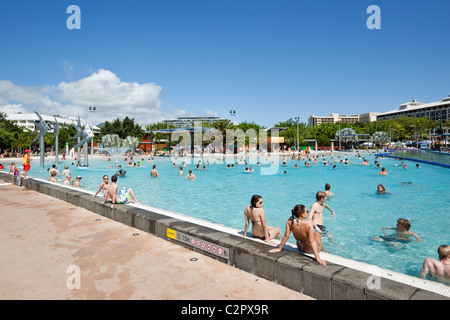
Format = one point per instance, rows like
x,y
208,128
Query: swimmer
x,y
401,234
77,182
68,180
316,211
180,171
120,173
383,172
381,189
66,171
190,176
327,190
154,172
12,169
303,231
440,269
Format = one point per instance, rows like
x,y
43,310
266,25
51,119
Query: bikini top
x,y
251,212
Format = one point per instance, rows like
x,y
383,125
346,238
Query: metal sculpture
x,y
84,135
41,127
56,129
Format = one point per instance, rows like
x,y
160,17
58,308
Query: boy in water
x,y
316,211
327,190
402,233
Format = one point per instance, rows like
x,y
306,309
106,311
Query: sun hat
x,y
27,150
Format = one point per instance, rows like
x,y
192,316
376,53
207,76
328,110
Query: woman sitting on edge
x,y
303,231
255,214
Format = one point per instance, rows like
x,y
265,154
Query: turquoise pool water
x,y
219,195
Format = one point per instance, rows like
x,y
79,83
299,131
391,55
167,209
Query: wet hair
x,y
114,178
327,186
255,198
382,187
320,195
297,211
405,223
444,252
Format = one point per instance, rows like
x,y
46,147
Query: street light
x,y
297,119
232,114
92,112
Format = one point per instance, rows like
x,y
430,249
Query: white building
x,y
187,122
335,117
432,110
29,120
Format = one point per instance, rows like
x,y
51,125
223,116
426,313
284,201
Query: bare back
x,y
256,215
300,228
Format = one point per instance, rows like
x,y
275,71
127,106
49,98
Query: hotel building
x,y
335,117
418,110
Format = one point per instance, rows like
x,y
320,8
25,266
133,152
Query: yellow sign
x,y
172,234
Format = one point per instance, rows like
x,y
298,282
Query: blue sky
x,y
268,60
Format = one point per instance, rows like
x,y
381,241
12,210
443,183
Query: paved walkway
x,y
42,238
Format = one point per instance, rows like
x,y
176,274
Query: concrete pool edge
x,y
288,268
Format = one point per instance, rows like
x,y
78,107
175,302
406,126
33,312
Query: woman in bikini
x,y
303,231
103,186
255,214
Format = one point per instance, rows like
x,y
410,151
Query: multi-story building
x,y
29,121
187,122
335,117
433,110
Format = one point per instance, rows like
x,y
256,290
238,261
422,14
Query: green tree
x,y
123,129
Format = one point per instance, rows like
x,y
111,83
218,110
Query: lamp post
x,y
298,145
232,114
92,112
339,136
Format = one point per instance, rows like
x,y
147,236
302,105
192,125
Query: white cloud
x,y
112,98
12,108
209,113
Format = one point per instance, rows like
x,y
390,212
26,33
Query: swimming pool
x,y
219,195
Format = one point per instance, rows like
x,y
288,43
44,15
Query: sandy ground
x,y
53,250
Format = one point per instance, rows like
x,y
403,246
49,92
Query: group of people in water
x,y
307,229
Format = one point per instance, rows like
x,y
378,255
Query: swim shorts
x,y
26,167
322,228
124,196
